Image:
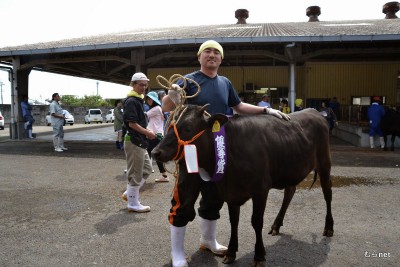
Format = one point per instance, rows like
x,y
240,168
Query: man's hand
x,y
175,94
150,134
278,114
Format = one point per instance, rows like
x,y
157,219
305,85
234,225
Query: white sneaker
x,y
64,148
58,149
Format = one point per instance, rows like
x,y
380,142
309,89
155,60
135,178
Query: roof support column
x,y
290,52
292,85
19,88
138,58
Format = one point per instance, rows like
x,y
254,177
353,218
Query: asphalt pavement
x,y
64,209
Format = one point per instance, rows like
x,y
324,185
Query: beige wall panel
x,y
300,82
235,75
343,80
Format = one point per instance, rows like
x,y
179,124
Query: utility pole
x,y
97,83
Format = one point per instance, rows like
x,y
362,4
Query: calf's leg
x,y
288,195
234,213
326,185
257,221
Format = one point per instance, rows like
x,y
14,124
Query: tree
x,y
71,100
94,101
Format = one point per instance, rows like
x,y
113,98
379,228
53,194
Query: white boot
x,y
124,194
208,237
56,144
61,143
382,141
30,134
133,200
371,141
177,246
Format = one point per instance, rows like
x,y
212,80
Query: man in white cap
x,y
138,162
217,91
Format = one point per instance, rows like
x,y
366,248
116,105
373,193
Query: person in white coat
x,y
57,121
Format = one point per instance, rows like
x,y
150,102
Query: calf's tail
x,y
315,179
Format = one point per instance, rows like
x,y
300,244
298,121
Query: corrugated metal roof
x,y
323,31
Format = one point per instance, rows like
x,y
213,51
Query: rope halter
x,y
182,143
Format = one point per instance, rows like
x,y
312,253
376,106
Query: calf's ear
x,y
221,118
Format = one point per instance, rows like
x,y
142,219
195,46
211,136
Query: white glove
x,y
175,94
278,114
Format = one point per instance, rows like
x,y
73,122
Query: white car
x,y
93,115
110,116
68,118
1,121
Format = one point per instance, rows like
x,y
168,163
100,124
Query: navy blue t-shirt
x,y
217,91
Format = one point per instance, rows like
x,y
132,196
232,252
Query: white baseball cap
x,y
139,76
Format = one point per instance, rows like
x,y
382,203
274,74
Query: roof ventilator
x,y
313,12
241,15
390,9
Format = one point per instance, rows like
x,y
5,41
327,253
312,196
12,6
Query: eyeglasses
x,y
143,84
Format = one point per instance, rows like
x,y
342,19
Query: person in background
x,y
118,124
264,101
217,91
27,114
298,104
375,115
285,106
57,121
329,115
156,119
334,105
161,95
136,142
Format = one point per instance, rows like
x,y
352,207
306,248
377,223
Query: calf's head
x,y
191,126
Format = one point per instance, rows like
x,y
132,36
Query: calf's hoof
x,y
229,259
328,233
259,264
274,231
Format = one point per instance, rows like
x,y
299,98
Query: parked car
x,y
1,121
110,116
93,115
69,118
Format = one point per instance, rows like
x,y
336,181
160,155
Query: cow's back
x,y
283,152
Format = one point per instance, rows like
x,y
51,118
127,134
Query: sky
x,y
34,21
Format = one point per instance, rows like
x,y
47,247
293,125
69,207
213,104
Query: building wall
x,y
347,79
239,76
260,77
316,80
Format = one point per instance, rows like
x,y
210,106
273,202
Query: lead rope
x,y
174,117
